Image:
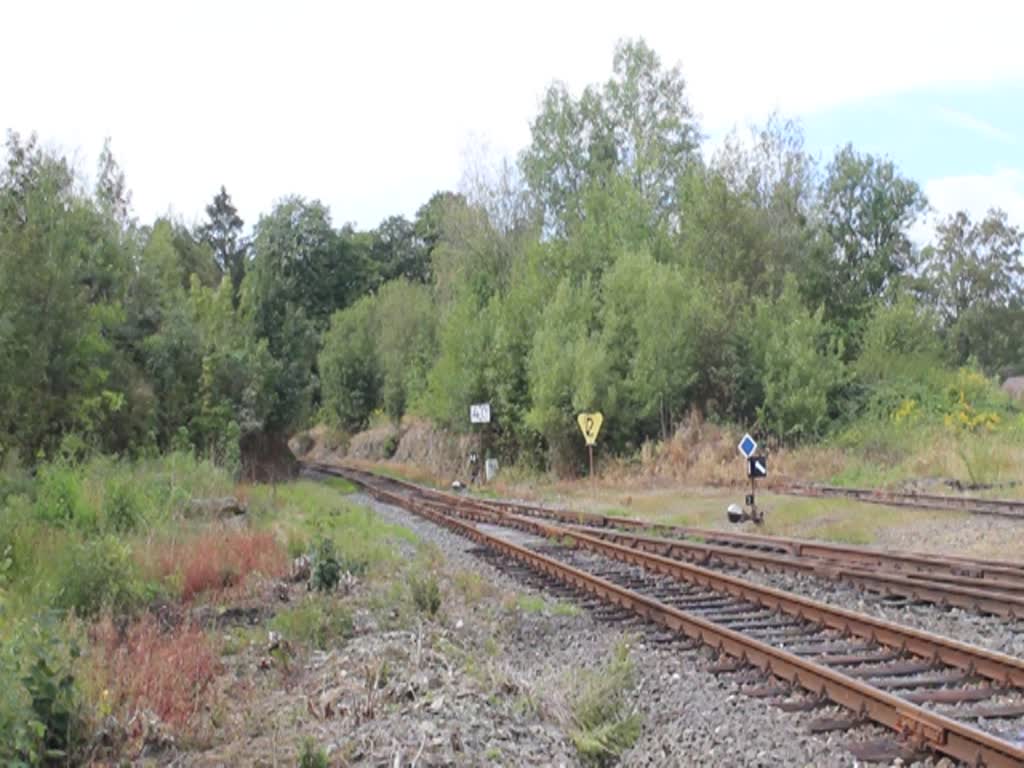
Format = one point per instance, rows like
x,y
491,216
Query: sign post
x,y
757,466
479,413
590,426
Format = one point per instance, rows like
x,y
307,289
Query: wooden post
x,y
590,450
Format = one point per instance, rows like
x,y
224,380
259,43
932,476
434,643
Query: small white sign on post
x,y
480,413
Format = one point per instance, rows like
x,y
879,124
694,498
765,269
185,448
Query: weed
x,y
472,586
121,508
326,568
215,560
312,755
603,725
316,622
95,574
340,484
143,667
40,717
530,603
565,609
426,593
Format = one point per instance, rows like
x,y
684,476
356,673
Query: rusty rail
x,y
977,505
928,729
985,586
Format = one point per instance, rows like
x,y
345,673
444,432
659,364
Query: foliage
x,y
603,727
426,593
313,755
800,367
613,264
146,666
319,622
40,716
325,572
350,368
95,574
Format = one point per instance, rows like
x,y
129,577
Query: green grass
x,y
536,604
306,510
319,621
340,484
604,724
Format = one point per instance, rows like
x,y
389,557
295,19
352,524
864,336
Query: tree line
x,y
614,265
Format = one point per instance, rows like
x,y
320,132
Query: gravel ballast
x,y
690,716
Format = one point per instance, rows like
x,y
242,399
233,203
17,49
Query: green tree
x,y
60,274
798,366
638,125
406,344
222,232
349,366
973,277
568,372
867,209
398,251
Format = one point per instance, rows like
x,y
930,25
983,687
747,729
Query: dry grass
x,y
143,666
213,560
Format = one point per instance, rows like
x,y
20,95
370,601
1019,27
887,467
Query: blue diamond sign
x,y
747,446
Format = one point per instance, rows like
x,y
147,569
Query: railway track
x,y
977,505
935,693
994,587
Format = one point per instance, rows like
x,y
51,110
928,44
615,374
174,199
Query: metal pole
x,y
590,450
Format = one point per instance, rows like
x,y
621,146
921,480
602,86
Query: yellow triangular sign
x,y
590,425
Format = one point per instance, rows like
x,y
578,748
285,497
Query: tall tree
x,y
974,277
639,124
223,233
112,188
867,208
398,251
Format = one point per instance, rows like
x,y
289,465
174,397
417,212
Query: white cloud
x,y
368,105
977,194
976,125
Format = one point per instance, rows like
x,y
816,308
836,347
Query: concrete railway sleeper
x,y
923,687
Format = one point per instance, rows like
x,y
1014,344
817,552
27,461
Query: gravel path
x,y
691,717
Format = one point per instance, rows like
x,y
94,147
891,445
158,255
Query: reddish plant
x,y
145,667
217,560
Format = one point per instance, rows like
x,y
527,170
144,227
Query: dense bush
x,y
40,714
97,573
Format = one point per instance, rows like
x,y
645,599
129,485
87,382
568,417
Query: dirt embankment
x,y
698,453
416,443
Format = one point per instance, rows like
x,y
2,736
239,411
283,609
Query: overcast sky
x,y
371,106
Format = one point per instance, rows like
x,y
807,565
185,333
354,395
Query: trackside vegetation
x,y
105,566
619,263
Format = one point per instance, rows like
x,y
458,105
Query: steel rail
x,y
980,598
955,570
925,728
977,505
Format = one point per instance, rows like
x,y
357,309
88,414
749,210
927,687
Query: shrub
x,y
216,560
316,622
603,725
59,499
426,594
95,574
312,755
144,667
121,508
39,712
326,567
212,560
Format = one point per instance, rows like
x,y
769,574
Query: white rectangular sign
x,y
480,413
